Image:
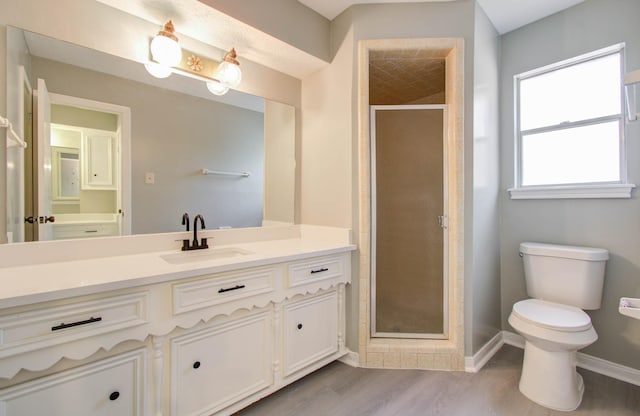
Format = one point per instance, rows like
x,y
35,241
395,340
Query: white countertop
x,y
28,284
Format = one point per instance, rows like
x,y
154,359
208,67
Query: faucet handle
x,y
203,243
185,220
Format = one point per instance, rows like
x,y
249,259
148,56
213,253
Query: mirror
x,y
177,130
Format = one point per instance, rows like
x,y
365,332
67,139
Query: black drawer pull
x,y
229,289
114,396
299,326
324,269
196,365
72,324
91,231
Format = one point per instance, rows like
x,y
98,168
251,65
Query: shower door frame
x,y
443,221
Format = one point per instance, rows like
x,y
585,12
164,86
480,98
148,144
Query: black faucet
x,y
185,220
195,245
203,241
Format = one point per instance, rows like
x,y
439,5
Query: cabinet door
x,y
111,387
98,160
220,365
310,331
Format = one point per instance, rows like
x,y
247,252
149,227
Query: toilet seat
x,y
552,316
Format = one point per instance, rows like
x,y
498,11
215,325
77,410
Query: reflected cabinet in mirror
x,y
115,151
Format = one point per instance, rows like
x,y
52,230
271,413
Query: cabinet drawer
x,y
59,324
310,331
113,387
303,272
215,367
216,289
62,231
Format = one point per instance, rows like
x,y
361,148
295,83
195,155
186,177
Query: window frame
x,y
611,189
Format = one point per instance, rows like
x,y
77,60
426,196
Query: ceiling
x,y
406,76
506,15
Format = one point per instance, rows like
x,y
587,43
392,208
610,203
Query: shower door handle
x,y
442,221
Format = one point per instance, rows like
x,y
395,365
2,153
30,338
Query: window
x,y
570,129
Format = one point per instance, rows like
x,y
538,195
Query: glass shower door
x,y
409,282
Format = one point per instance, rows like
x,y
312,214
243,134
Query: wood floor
x,y
338,390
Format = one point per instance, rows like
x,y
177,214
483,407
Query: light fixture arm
x,y
169,31
231,57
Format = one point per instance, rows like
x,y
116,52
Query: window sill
x,y
573,191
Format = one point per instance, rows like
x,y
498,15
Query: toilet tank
x,y
569,275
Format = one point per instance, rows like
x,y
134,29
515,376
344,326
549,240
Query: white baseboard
x,y
351,358
588,362
607,368
479,359
513,339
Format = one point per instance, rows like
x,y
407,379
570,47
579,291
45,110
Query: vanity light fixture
x,y
165,48
167,58
228,71
217,88
157,70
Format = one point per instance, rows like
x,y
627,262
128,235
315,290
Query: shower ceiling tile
x,y
405,76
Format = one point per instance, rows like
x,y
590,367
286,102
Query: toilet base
x,y
549,378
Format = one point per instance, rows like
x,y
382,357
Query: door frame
x,y
24,127
445,230
123,148
424,353
42,162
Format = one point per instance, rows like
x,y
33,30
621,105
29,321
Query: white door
x,y
44,215
16,155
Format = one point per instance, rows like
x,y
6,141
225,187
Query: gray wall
x,y
482,285
608,223
174,136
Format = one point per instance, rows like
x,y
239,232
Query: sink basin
x,y
630,307
204,255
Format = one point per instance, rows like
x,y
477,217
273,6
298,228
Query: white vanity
x,y
85,226
156,331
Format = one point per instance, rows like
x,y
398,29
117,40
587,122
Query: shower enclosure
x,y
409,226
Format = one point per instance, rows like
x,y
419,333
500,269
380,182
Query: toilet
x,y
561,281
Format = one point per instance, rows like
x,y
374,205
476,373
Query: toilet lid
x,y
552,315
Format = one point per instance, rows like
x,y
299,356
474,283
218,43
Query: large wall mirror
x,y
125,152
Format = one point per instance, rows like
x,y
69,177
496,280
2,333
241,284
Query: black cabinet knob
x,y
299,326
196,365
114,396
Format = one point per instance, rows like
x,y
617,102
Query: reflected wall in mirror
x,y
174,135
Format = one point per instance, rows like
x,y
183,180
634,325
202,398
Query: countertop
x,y
28,284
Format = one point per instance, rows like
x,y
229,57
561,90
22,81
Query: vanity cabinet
x,y
109,387
45,333
217,366
213,343
85,230
310,330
